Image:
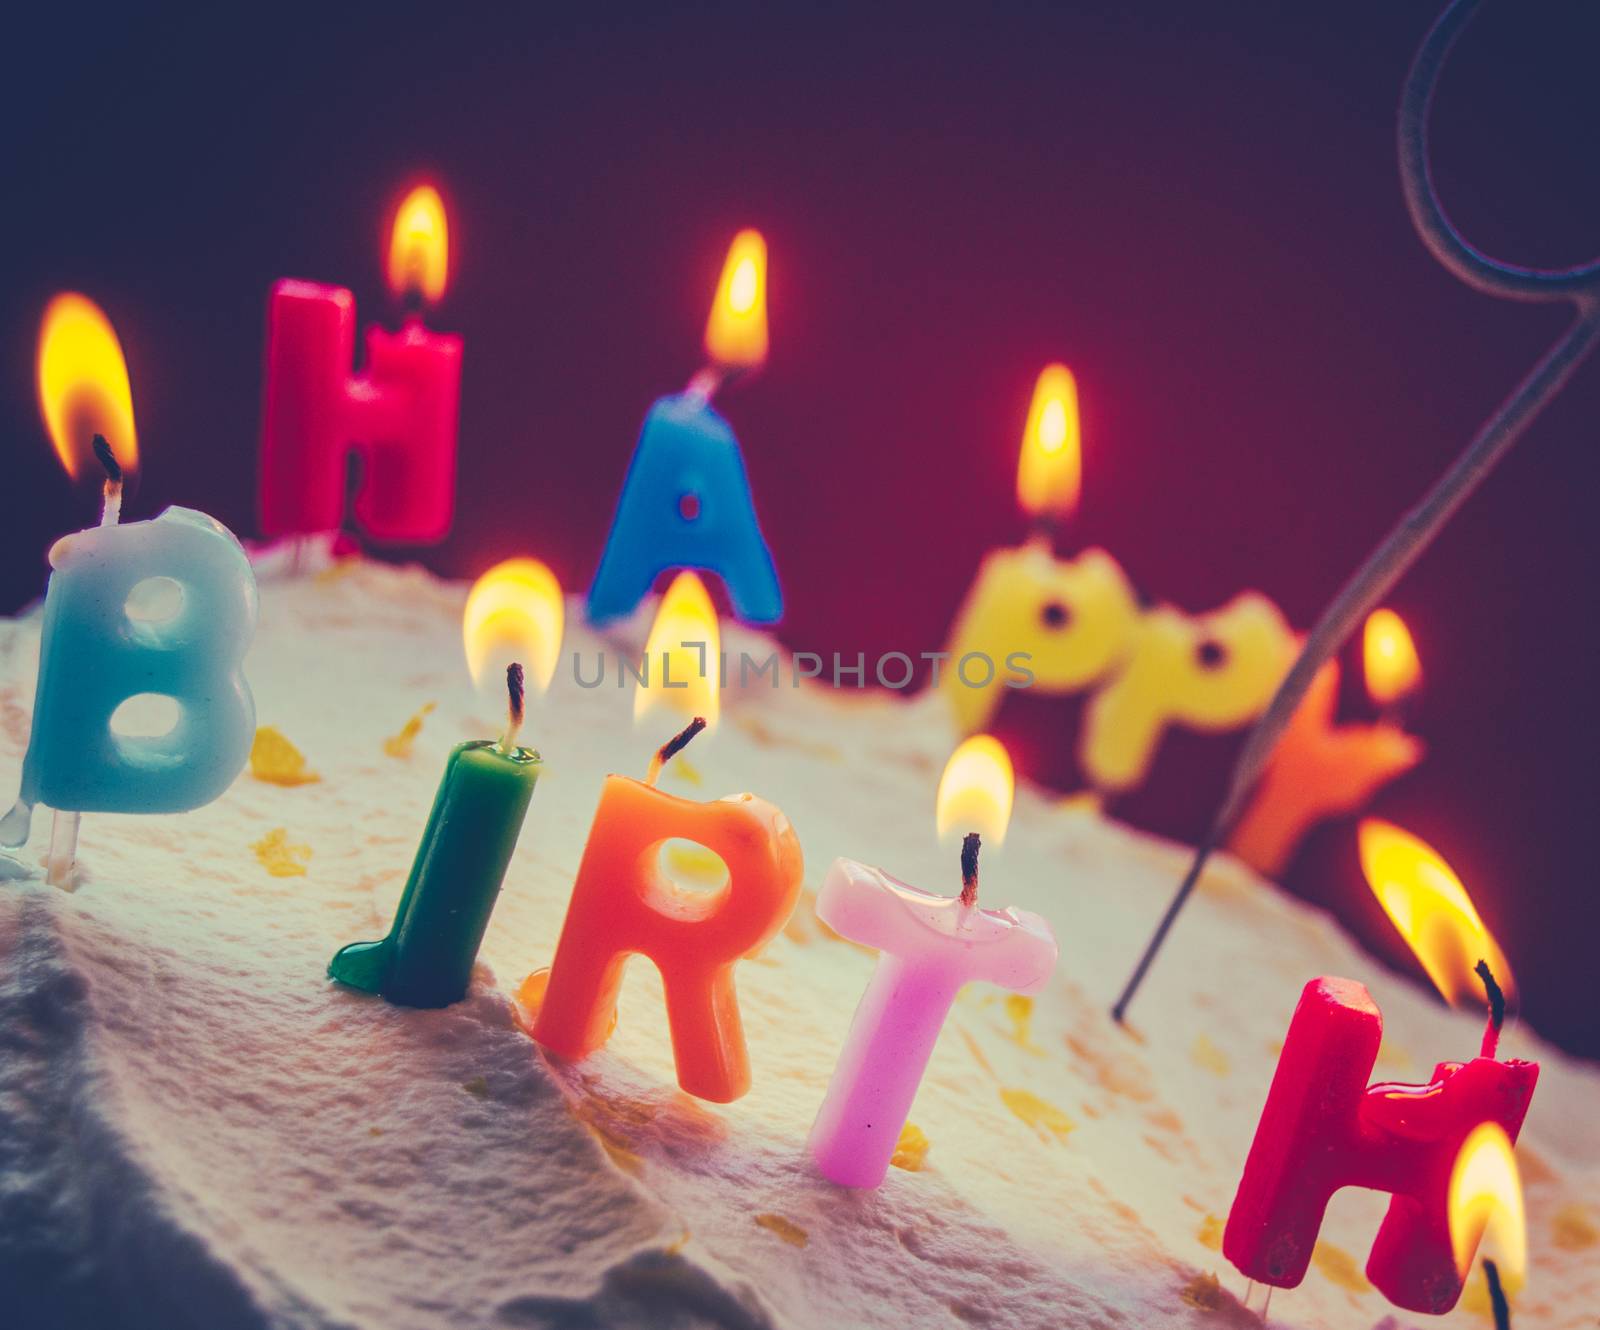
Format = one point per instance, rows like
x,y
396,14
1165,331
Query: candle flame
x,y
976,791
1390,657
1050,469
1432,910
736,332
514,612
419,246
682,655
1485,1200
83,385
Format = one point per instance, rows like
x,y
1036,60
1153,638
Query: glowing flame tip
x,y
976,791
736,332
1050,468
1427,903
682,655
83,387
419,246
1389,657
514,612
1485,1201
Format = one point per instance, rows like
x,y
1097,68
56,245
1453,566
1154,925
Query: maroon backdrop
x,y
1194,206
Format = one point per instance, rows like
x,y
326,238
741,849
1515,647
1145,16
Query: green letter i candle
x,y
426,961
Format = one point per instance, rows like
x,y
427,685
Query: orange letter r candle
x,y
623,904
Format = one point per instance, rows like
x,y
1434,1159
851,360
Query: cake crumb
x,y
1019,1010
786,1229
276,761
1204,1292
1210,1233
281,857
478,1087
911,1149
1572,1228
401,744
1339,1267
1046,1119
1206,1054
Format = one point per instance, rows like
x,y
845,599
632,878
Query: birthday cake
x,y
198,1128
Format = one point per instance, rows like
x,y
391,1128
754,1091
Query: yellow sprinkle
x,y
1019,1009
679,1242
1573,1228
1209,1056
374,1131
911,1149
1391,1056
399,745
1210,1233
277,761
337,569
1046,1119
1084,801
478,1087
279,857
1339,1267
1204,1292
686,771
786,1229
697,865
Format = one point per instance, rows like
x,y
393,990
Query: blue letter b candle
x,y
94,656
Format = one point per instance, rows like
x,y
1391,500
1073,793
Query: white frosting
x,y
198,1129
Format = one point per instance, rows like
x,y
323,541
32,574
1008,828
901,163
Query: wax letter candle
x,y
94,657
1212,672
686,502
1323,1128
623,905
929,946
1068,622
1319,770
426,960
400,412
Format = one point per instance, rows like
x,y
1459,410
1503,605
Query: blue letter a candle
x,y
686,504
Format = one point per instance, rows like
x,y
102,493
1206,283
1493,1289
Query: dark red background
x,y
1193,205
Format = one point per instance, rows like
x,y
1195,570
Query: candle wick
x,y
672,748
1497,1296
516,695
111,508
706,382
1497,1010
969,869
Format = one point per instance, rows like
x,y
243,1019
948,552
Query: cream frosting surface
x,y
198,1129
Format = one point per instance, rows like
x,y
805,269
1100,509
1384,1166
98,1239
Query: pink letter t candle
x,y
929,947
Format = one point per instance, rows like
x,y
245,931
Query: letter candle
x,y
929,946
106,637
623,905
685,502
426,960
1321,769
1324,1127
1069,620
400,412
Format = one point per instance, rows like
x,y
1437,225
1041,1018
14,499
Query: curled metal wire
x,y
1416,530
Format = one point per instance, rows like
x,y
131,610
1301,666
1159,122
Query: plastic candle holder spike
x,y
686,504
94,657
